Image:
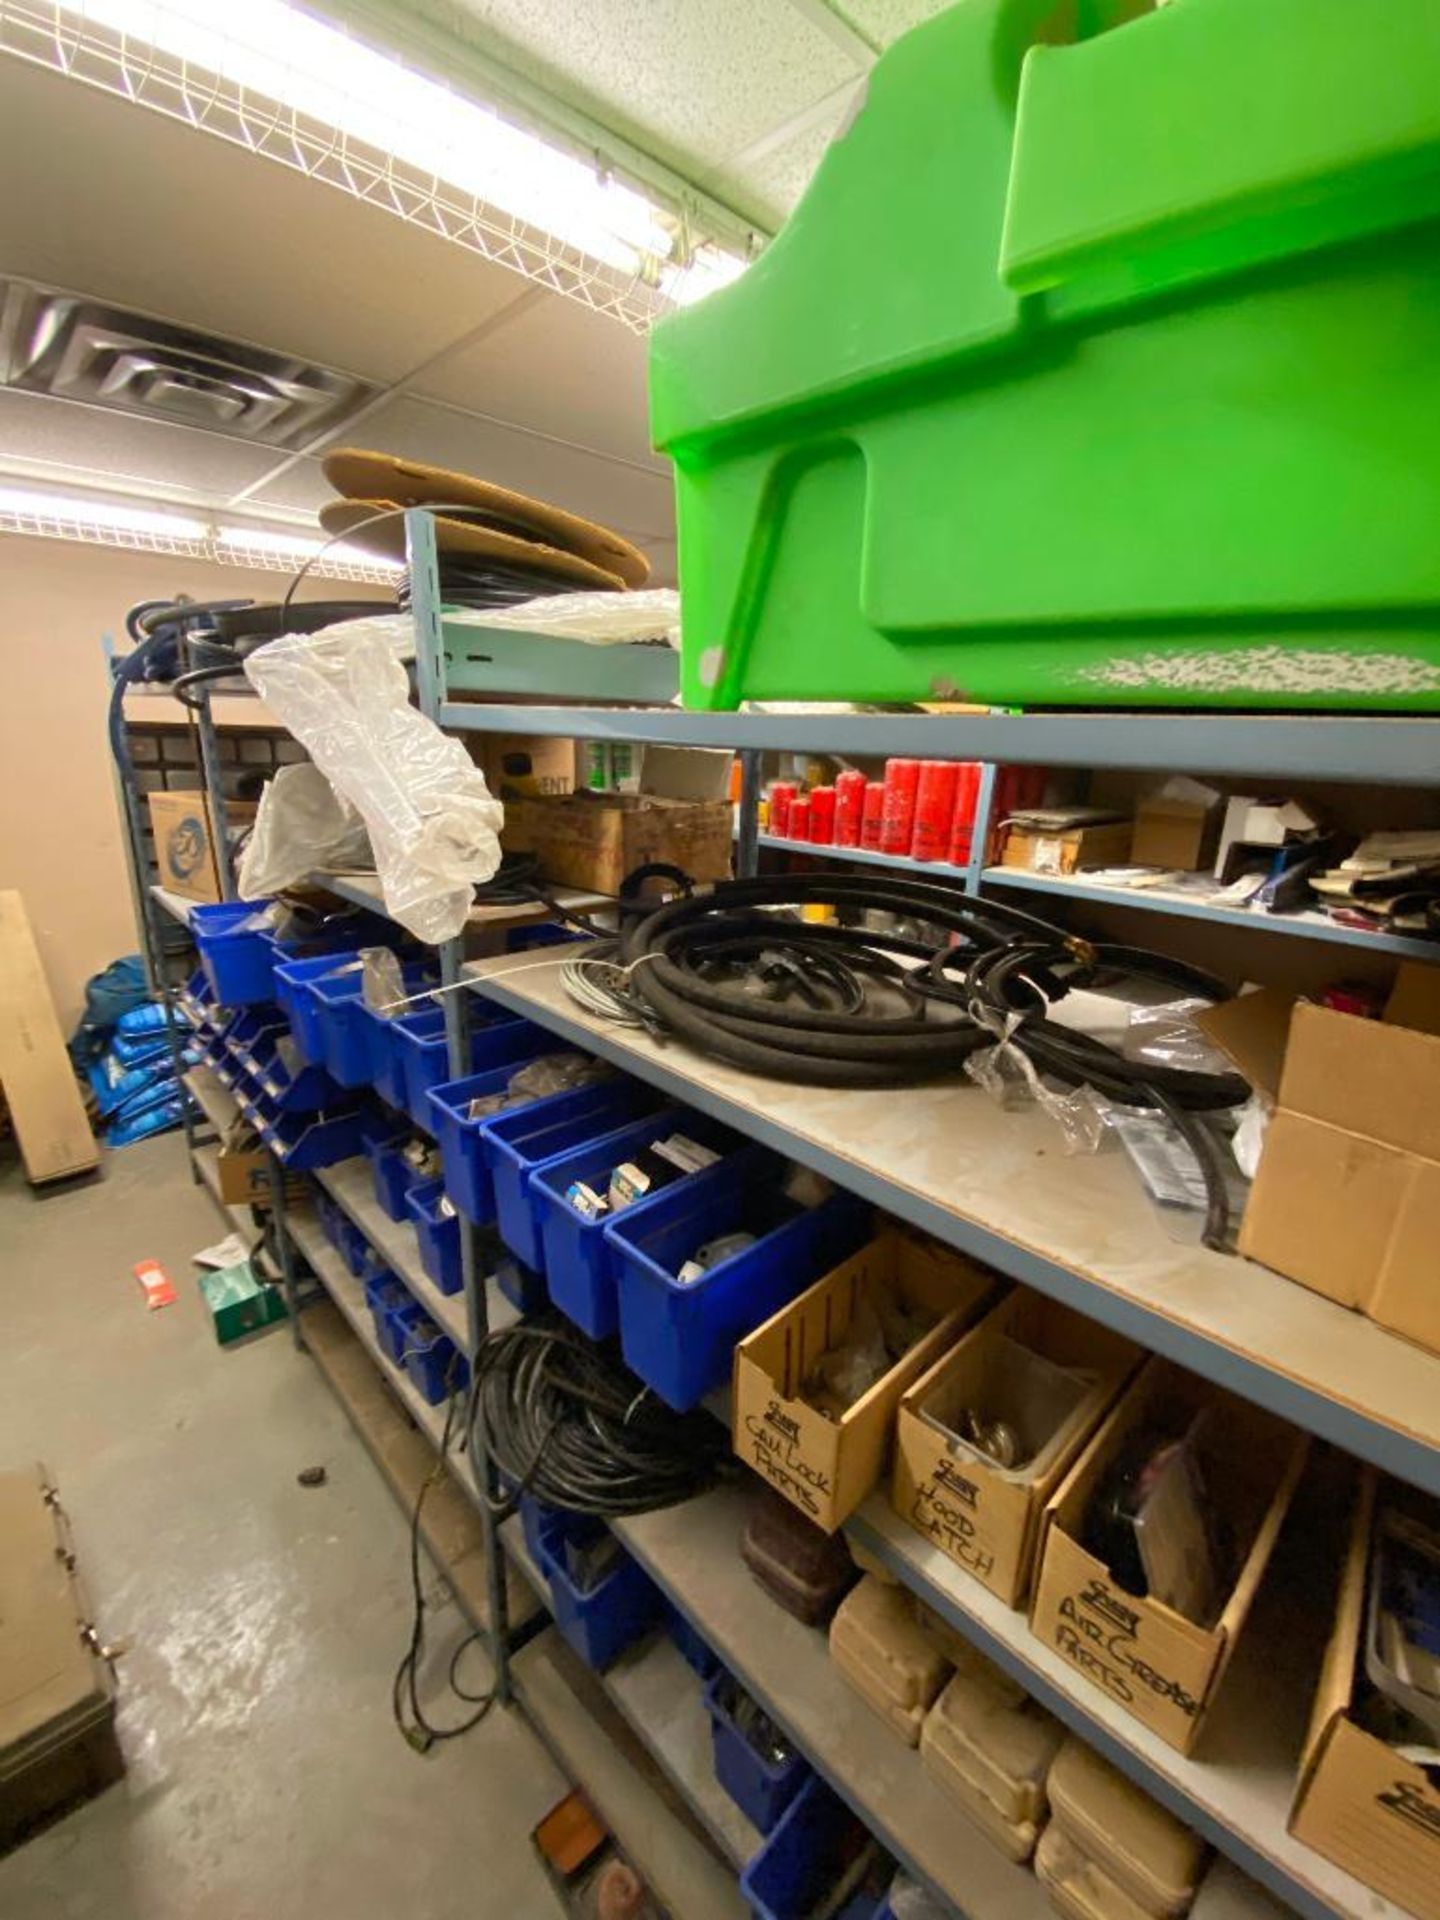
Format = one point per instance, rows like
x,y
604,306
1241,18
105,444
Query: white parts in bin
x,y
987,1735
1136,1843
434,826
878,1645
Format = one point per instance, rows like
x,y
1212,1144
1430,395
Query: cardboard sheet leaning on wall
x,y
433,823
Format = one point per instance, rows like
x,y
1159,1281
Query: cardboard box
x,y
1151,1661
46,1111
1346,1199
244,1178
1105,845
1177,827
184,853
987,1520
595,839
1251,821
826,1467
521,766
1358,1802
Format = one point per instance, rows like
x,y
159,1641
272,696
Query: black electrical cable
x,y
418,1730
563,1419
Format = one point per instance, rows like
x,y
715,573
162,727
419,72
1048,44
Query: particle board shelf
x,y
175,904
1171,900
350,1185
363,890
1238,1792
693,1552
583,1729
212,1096
1392,751
867,856
999,1187
662,1698
349,1296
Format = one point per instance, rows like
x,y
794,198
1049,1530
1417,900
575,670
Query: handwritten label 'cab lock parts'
x,y
775,1452
943,1510
1097,1631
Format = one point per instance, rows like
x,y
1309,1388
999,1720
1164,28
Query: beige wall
x,y
60,840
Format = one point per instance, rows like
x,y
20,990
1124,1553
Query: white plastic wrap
x,y
434,827
302,827
600,619
1011,1079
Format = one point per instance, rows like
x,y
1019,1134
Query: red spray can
x,y
782,798
822,816
935,808
897,825
849,807
872,815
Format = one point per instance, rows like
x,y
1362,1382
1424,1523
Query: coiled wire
x,y
565,1421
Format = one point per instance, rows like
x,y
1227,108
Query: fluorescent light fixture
x,y
299,548
274,49
709,269
25,505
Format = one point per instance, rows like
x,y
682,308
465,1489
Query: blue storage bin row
x,y
304,1141
391,1170
680,1337
761,1788
239,951
813,1842
438,1234
408,1338
342,1233
601,1621
580,1264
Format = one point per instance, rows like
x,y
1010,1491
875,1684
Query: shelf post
x,y
425,610
747,850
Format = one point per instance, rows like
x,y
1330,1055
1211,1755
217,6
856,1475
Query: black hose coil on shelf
x,y
563,1419
989,972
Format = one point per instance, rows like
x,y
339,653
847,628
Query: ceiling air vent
x,y
77,349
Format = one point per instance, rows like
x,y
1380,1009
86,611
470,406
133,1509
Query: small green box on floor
x,y
240,1302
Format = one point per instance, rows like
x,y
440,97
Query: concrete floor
x,y
264,1620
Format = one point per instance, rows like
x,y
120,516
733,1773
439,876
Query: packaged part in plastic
x,y
1011,1079
303,826
599,619
434,826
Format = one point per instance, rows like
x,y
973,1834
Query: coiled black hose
x,y
563,1420
990,972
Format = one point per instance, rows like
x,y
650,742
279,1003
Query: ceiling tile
x,y
560,368
146,213
886,20
692,81
90,446
778,175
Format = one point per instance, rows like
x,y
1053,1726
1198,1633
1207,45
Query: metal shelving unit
x,y
1080,1232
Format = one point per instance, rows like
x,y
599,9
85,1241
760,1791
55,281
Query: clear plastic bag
x,y
303,827
434,826
1011,1079
1167,1036
599,619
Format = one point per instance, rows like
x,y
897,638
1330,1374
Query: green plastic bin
x,y
1099,366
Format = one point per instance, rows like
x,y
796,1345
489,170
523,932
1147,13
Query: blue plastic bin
x,y
522,1286
814,1840
298,1004
303,1141
520,1141
693,1648
602,1623
579,1262
292,1086
396,1327
439,1235
346,1238
435,1363
387,1062
681,1339
425,1053
237,954
392,1172
467,1175
546,1528
383,1294
761,1791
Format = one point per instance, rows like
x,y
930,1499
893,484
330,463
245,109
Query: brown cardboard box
x,y
826,1467
520,766
595,839
986,1519
1171,832
1105,845
184,854
1347,1196
1148,1659
244,1180
1358,1802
